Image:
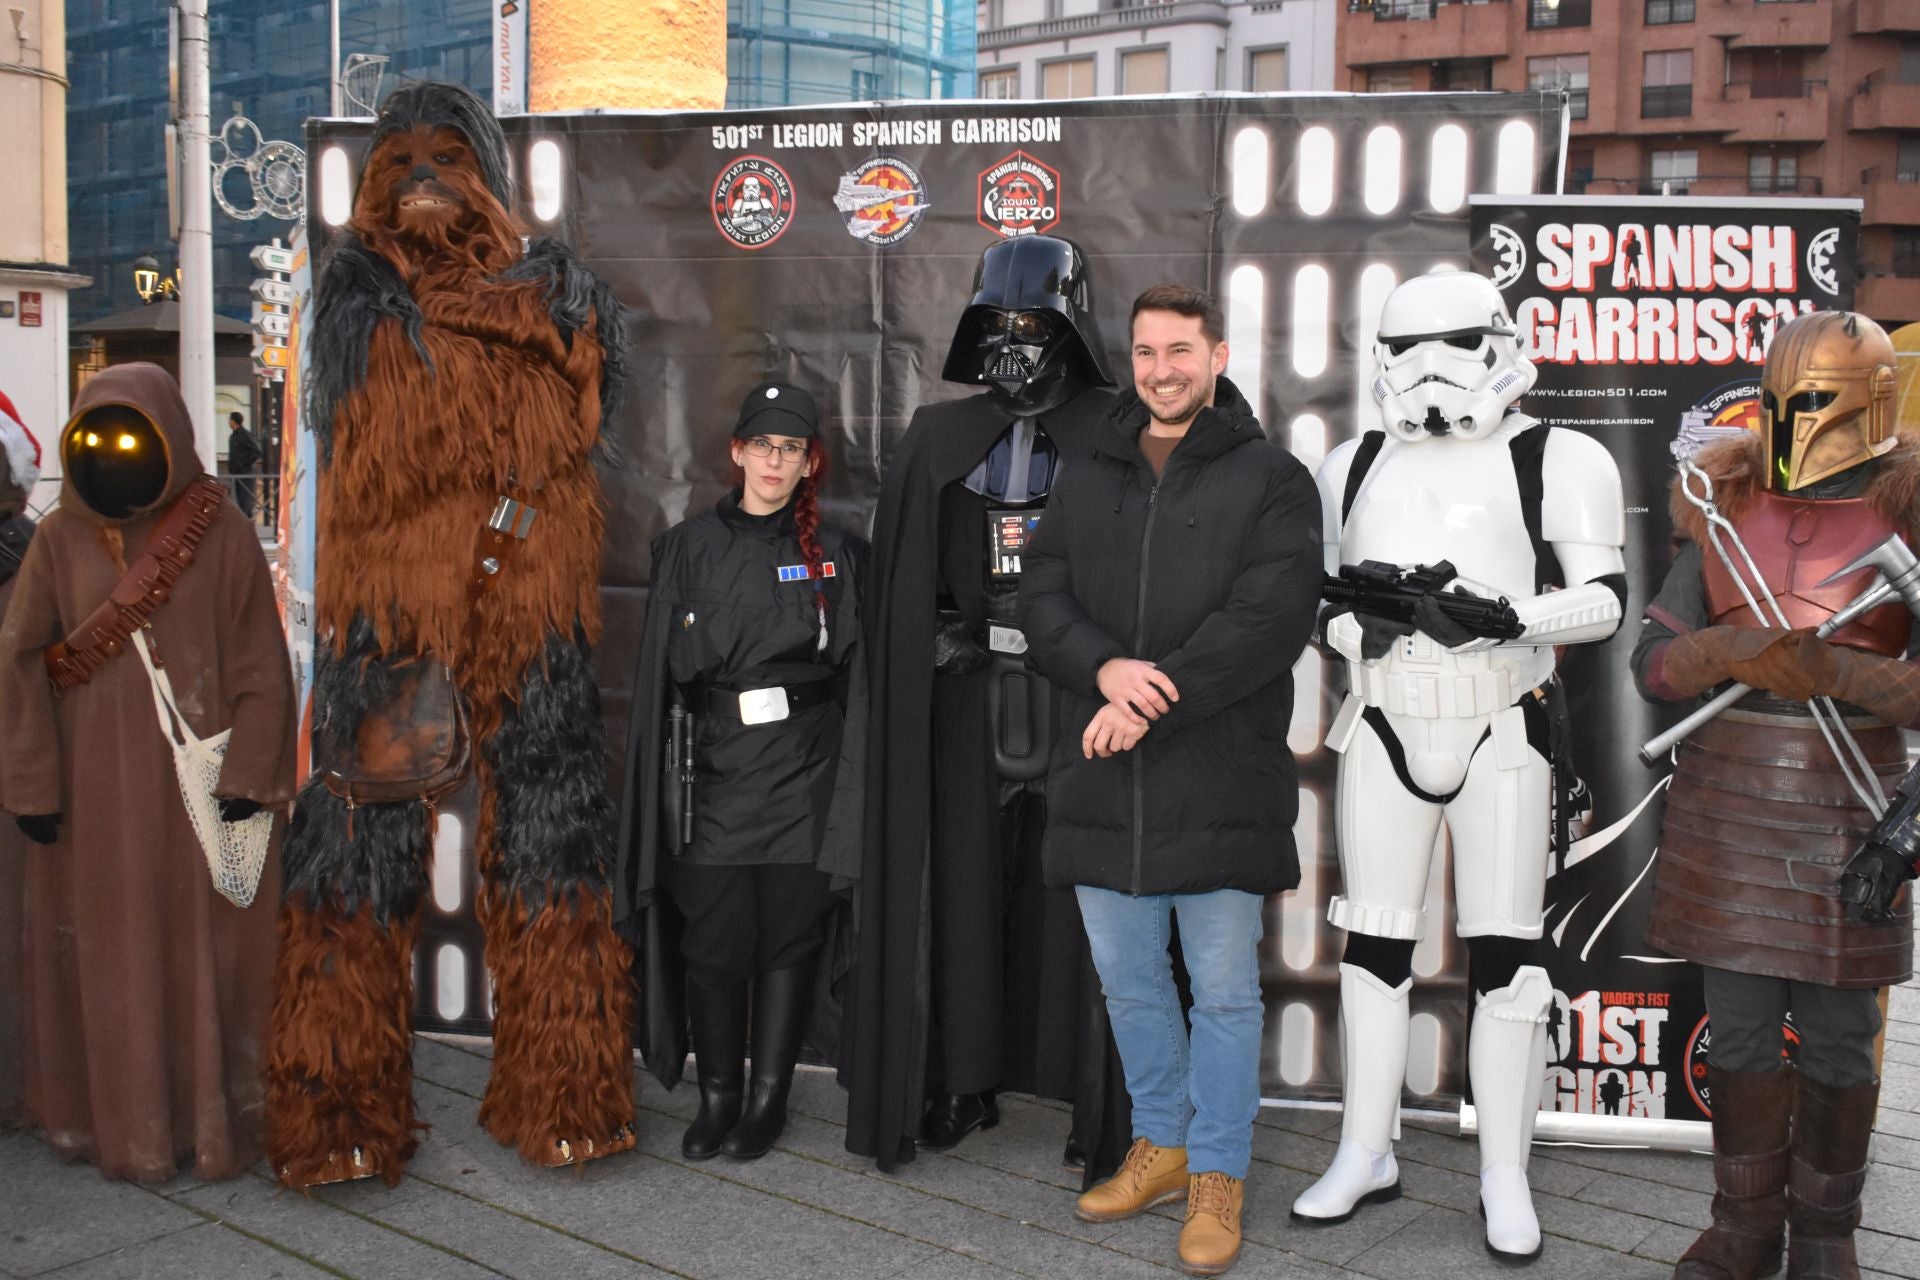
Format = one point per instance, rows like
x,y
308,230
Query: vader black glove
x,y
238,809
41,828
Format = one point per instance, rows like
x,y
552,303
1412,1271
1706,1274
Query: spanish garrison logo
x,y
882,200
752,202
1019,196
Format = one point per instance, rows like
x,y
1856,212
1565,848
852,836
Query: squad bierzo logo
x,y
752,202
882,200
1018,196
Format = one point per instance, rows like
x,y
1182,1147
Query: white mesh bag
x,y
236,852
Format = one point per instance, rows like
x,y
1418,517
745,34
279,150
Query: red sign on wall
x,y
29,310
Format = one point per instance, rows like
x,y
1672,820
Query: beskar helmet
x,y
1826,393
1448,358
1029,334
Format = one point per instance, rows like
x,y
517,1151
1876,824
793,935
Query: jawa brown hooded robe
x,y
146,992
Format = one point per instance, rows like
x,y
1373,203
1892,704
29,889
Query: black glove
x,y
1378,635
955,650
1429,617
1872,879
238,809
41,828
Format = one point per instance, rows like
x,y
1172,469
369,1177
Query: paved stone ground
x,y
997,1206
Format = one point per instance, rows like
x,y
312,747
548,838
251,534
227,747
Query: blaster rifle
x,y
1387,591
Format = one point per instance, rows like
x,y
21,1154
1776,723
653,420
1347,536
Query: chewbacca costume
x,y
449,370
146,992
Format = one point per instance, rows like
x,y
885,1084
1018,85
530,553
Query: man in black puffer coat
x,y
1167,594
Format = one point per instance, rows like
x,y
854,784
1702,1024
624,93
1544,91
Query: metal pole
x,y
333,58
196,231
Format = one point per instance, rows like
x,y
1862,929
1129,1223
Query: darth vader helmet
x,y
1029,334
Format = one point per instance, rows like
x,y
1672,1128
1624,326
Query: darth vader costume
x,y
971,976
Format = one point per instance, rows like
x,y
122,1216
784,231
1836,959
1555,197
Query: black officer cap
x,y
778,409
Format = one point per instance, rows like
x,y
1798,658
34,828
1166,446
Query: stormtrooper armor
x,y
1455,727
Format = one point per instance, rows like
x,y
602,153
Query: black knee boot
x,y
780,999
719,1020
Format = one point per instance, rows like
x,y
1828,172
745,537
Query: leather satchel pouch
x,y
414,745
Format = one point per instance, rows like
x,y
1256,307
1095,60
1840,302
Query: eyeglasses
x,y
1026,326
761,447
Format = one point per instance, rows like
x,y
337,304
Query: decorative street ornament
x,y
276,173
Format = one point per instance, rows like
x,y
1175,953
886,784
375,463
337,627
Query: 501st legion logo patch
x,y
752,202
882,200
1019,196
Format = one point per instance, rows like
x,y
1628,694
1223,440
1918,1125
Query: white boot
x,y
1373,1066
1507,1060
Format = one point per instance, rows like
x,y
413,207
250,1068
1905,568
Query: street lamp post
x,y
150,284
196,232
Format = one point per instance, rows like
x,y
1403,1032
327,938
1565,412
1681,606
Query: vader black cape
x,y
884,1063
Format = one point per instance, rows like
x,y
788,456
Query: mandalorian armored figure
x,y
1455,715
961,987
1762,878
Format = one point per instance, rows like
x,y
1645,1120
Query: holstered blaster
x,y
676,793
1387,591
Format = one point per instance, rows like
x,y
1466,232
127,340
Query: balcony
x,y
1884,17
1545,15
1708,185
1137,17
1421,30
1763,111
1892,300
1884,101
1801,24
1893,197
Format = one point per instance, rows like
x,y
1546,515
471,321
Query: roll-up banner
x,y
1648,319
835,247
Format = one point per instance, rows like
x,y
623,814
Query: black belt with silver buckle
x,y
747,705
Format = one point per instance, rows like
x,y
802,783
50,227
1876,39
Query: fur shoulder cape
x,y
1737,469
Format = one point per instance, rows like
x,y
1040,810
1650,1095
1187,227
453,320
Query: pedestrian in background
x,y
243,460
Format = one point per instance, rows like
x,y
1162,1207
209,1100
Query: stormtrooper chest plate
x,y
1455,500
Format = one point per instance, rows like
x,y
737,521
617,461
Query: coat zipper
x,y
1139,642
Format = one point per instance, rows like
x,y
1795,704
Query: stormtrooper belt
x,y
766,706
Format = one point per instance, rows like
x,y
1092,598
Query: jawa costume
x,y
744,789
458,389
147,993
970,976
19,470
1761,821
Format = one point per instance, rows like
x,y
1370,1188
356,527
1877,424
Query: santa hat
x,y
17,445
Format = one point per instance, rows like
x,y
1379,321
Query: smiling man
x,y
1168,594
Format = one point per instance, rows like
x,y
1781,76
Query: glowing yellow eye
x,y
126,442
93,441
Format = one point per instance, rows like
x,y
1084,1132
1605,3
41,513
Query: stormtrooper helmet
x,y
1448,358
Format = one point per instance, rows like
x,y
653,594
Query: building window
x,y
1906,252
1266,70
1389,80
1559,13
1667,84
1669,172
1000,83
1563,71
1768,172
1463,75
1067,78
1579,170
1906,166
1782,74
1662,12
1143,71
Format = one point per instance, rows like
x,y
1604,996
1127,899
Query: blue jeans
x,y
1201,1096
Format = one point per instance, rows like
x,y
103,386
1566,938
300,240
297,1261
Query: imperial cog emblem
x,y
273,175
882,201
1510,256
1821,253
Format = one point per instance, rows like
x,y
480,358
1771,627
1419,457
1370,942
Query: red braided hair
x,y
806,520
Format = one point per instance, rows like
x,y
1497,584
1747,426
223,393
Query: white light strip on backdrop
x,y
1250,168
1382,186
1515,160
336,187
449,860
1447,161
1246,327
1309,321
450,981
544,176
1315,164
1376,282
1578,1128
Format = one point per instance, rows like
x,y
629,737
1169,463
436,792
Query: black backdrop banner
x,y
1648,319
835,247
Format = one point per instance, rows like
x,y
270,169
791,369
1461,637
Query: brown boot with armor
x,y
1149,1176
1751,1110
1831,1130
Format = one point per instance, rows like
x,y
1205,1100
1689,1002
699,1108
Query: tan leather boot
x,y
1210,1242
1149,1176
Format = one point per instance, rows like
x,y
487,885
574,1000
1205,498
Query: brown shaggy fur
x,y
1738,469
340,1060
501,405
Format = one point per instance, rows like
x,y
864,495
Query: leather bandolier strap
x,y
145,587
